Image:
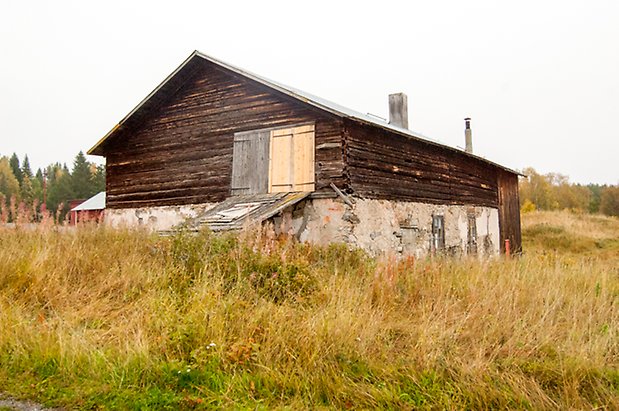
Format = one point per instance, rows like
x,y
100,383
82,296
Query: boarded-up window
x,y
292,159
472,234
438,232
250,163
272,161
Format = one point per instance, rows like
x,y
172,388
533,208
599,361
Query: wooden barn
x,y
216,145
90,210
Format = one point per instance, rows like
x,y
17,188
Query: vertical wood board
x,y
509,211
281,171
303,139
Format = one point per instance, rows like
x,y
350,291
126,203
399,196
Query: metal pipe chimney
x,y
468,137
398,110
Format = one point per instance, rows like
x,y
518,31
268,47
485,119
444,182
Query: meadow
x,y
96,318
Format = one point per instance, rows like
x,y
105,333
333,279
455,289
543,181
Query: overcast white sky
x,y
539,78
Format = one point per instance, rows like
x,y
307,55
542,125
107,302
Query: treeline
x,y
554,191
48,189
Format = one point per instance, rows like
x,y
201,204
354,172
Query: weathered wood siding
x,y
250,163
181,152
509,211
384,165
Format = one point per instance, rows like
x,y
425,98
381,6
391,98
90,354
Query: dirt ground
x,y
8,403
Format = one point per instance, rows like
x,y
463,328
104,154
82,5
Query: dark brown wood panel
x,y
385,165
509,211
180,152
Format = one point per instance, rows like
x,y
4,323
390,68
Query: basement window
x,y
438,232
472,235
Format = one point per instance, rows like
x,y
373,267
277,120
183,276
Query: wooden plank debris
x,y
246,210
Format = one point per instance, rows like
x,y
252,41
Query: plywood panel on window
x,y
292,159
303,142
281,161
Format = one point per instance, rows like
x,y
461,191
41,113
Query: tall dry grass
x,y
123,319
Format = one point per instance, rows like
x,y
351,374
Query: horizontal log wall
x,y
384,165
181,153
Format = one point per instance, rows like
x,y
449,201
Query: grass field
x,y
103,319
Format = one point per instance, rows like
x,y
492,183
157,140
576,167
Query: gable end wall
x,y
181,153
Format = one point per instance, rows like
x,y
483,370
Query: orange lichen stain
x,y
327,219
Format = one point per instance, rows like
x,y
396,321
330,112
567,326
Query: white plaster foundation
x,y
381,226
376,226
154,218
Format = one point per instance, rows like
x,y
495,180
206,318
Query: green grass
x,y
113,319
547,237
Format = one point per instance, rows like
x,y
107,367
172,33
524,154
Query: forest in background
x,y
56,185
553,191
50,188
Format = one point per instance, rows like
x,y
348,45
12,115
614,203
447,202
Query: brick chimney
x,y
398,110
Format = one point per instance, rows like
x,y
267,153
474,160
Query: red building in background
x,y
88,210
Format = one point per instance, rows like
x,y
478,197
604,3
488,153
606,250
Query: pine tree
x,y
37,185
81,178
25,168
14,162
99,179
59,191
27,190
39,176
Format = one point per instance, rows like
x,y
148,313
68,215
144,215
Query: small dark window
x,y
438,232
472,235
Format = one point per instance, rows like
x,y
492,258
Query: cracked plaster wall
x,y
154,218
381,226
376,226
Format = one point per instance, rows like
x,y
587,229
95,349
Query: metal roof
x,y
96,202
300,95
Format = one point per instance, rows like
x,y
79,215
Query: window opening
x,y
472,235
438,233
